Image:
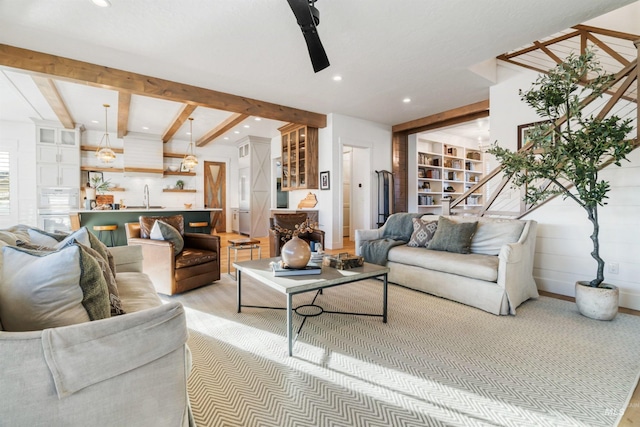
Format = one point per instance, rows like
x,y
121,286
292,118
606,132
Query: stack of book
x,y
316,258
279,270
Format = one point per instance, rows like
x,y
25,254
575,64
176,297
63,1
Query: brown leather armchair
x,y
289,221
197,265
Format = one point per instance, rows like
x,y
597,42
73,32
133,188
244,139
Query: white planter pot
x,y
597,303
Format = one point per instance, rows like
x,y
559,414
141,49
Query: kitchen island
x,y
89,218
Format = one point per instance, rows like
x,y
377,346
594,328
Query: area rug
x,y
435,363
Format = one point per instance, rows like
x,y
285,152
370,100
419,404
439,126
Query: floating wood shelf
x,y
100,169
177,190
173,155
95,148
144,170
116,189
179,173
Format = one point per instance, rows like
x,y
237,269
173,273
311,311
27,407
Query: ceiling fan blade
x,y
305,19
319,58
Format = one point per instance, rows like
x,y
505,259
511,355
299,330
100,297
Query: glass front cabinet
x,y
299,157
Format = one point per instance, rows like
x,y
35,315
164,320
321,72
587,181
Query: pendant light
x,y
190,161
104,152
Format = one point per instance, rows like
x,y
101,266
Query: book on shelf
x,y
286,271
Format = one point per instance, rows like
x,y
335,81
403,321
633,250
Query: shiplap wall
x,y
563,245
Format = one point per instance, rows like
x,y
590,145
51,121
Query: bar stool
x,y
110,228
199,225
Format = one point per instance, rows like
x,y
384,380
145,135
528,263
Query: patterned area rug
x,y
435,363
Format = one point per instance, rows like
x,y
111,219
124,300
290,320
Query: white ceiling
x,y
385,50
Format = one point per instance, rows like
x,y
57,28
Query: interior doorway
x,y
215,193
346,191
355,196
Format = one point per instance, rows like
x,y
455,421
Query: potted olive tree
x,y
568,150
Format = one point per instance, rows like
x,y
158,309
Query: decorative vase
x,y
296,253
597,303
90,193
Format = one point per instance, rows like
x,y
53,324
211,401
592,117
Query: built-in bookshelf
x,y
442,171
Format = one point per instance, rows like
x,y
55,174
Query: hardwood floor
x,y
632,412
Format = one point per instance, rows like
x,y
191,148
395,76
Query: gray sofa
x,y
497,276
128,370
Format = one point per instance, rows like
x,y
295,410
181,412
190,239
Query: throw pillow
x,y
423,232
494,234
44,238
453,237
110,279
163,231
47,289
147,222
86,238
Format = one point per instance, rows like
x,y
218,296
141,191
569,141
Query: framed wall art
x,y
524,133
324,180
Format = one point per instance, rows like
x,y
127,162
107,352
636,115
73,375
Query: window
x,y
5,187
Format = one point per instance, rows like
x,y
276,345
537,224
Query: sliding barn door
x,y
215,194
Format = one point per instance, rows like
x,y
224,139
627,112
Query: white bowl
x,y
173,168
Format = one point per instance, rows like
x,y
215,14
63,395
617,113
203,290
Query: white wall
x,y
563,245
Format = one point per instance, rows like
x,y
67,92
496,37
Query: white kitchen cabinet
x,y
57,157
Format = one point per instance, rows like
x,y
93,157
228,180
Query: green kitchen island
x,y
89,218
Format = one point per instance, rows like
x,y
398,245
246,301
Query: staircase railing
x,y
617,52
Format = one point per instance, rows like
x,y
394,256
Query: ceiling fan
x,y
308,17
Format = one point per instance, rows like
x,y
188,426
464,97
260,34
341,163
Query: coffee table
x,y
293,285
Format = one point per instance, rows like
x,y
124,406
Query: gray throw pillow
x,y
163,231
48,289
423,232
453,237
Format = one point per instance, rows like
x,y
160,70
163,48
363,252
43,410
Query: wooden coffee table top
x,y
260,270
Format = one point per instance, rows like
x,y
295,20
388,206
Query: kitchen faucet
x,y
145,197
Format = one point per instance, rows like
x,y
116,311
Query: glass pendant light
x,y
104,152
190,161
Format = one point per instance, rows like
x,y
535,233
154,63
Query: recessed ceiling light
x,y
257,119
145,127
406,100
337,78
94,121
188,133
102,3
247,126
236,131
226,137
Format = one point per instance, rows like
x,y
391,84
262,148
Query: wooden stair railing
x,y
620,89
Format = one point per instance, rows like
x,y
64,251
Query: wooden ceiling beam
x,y
228,124
50,92
124,102
182,117
477,109
138,84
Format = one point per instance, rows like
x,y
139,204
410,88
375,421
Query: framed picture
x,y
524,133
95,178
184,168
324,180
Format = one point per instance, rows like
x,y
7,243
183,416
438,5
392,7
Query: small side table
x,y
239,245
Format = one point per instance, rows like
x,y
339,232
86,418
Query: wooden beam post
x,y
50,92
124,102
183,115
223,127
